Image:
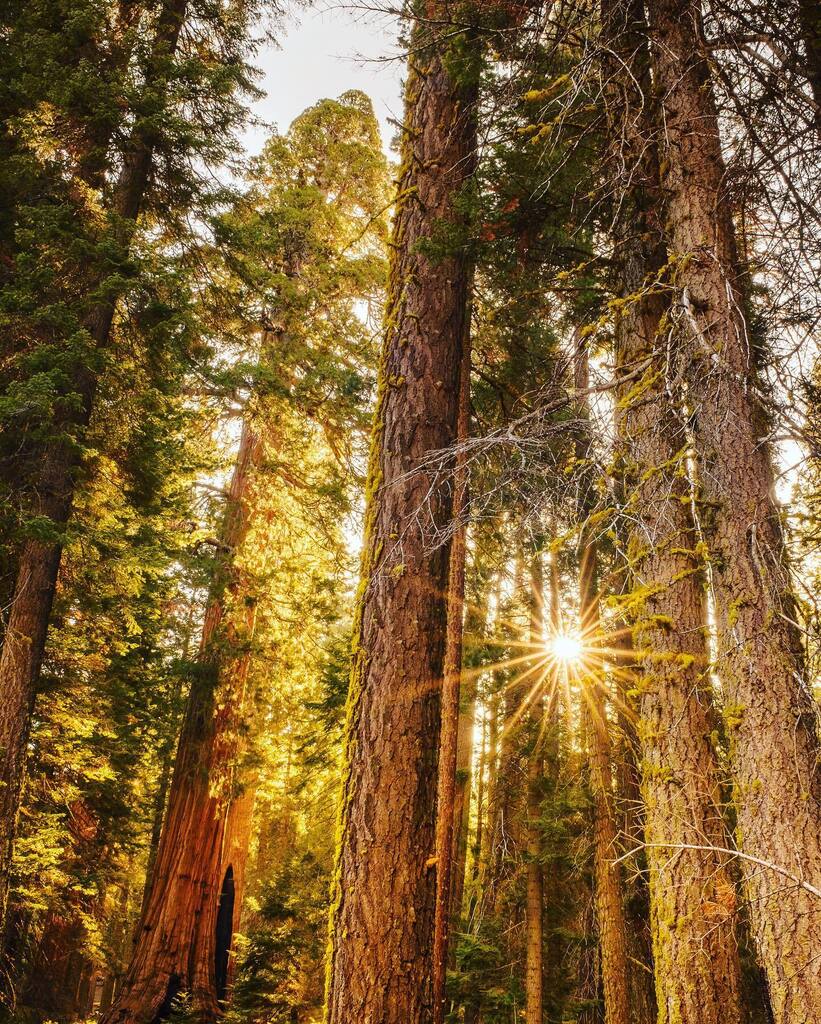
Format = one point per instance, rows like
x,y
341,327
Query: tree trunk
x,y
608,891
446,813
534,907
692,894
176,943
486,849
166,767
475,622
771,717
476,851
384,889
38,567
631,825
508,837
236,849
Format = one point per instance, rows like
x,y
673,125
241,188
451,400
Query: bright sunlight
x,y
566,648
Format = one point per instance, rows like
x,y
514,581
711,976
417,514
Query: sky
x,y
323,51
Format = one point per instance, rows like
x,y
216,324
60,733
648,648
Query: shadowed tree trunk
x,y
607,876
534,905
176,943
630,820
384,888
771,717
55,478
447,822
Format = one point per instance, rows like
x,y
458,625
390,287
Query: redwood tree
x,y
692,893
771,717
176,942
384,887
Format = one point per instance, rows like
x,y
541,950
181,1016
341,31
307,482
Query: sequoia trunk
x,y
384,890
771,717
446,811
176,943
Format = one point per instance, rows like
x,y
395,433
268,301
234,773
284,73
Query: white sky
x,y
323,51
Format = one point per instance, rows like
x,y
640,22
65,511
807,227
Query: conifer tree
x,y
770,714
378,970
187,923
67,368
696,962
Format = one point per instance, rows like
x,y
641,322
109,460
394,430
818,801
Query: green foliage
x,y
280,958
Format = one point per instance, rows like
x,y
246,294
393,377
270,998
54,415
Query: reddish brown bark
x,y
771,716
383,904
692,894
175,947
607,888
446,809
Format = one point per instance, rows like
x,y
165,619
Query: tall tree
x,y
176,947
608,888
315,203
537,727
378,968
72,364
771,716
696,960
447,822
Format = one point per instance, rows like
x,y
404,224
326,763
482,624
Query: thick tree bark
x,y
692,893
176,942
696,962
384,888
447,822
54,483
771,716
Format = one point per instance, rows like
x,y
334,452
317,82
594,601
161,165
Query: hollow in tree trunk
x,y
177,945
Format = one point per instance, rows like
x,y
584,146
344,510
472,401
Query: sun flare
x,y
566,648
